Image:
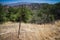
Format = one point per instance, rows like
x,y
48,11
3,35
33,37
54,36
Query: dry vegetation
x,y
8,31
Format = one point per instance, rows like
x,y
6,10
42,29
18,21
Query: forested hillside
x,y
31,13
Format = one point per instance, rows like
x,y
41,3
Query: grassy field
x,y
8,31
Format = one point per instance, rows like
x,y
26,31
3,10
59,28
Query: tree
x,y
25,16
57,10
3,13
12,14
45,14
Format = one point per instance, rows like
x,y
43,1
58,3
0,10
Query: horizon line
x,y
27,2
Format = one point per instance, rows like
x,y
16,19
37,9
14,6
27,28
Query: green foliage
x,y
26,14
46,13
12,15
2,14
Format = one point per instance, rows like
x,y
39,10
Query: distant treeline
x,y
32,13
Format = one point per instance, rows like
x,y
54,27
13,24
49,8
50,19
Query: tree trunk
x,y
19,29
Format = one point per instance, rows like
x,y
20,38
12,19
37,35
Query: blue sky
x,y
29,1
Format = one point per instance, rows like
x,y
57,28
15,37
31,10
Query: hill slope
x,y
30,31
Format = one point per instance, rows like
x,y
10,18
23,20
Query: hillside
x,y
8,31
39,13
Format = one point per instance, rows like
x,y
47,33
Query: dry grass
x,y
30,31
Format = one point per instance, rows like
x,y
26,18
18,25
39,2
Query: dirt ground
x,y
8,31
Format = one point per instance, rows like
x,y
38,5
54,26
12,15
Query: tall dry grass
x,y
31,31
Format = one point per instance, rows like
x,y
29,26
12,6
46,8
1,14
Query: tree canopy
x,y
46,13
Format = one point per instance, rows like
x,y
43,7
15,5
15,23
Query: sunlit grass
x,y
31,31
